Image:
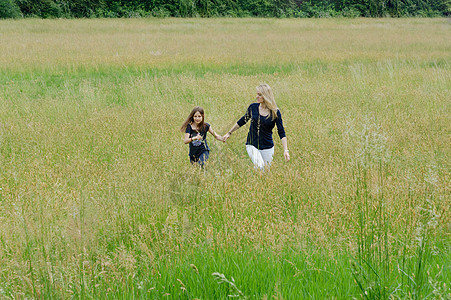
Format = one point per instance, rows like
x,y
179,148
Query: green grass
x,y
98,199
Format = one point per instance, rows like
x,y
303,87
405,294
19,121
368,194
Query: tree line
x,y
223,8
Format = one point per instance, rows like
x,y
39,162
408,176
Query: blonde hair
x,y
268,97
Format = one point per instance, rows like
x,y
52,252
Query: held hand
x,y
286,154
225,137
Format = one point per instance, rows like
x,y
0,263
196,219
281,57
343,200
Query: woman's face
x,y
197,117
259,97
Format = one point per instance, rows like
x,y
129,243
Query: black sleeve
x,y
207,127
188,129
279,123
245,118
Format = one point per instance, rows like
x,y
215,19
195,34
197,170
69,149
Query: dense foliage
x,y
217,8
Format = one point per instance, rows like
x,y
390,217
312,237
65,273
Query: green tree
x,y
40,8
9,9
211,8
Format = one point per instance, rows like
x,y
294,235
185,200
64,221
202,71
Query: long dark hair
x,y
190,119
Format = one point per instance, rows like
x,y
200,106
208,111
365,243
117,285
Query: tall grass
x,y
98,198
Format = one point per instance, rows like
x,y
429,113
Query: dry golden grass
x,y
28,44
95,180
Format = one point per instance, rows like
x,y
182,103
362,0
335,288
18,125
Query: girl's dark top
x,y
196,148
260,130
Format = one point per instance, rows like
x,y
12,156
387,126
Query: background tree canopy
x,y
221,8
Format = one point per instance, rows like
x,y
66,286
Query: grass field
x,y
98,199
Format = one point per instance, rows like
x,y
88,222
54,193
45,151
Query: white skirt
x,y
260,158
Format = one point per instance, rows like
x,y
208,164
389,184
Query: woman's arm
x,y
217,136
282,135
243,120
286,153
228,134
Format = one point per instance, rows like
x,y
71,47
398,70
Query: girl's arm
x,y
188,139
217,136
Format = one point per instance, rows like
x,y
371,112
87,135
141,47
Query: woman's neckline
x,y
269,111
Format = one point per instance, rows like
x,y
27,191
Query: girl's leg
x,y
193,159
203,158
255,156
267,155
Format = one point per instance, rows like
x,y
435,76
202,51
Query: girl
x,y
196,135
264,116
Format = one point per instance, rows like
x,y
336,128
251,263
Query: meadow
x,y
98,198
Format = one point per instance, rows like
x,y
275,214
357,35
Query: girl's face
x,y
259,97
197,117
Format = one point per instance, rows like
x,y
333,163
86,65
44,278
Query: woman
x,y
264,115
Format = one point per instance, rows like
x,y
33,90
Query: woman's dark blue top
x,y
196,148
260,130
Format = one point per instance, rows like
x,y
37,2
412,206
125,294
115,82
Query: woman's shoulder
x,y
253,106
